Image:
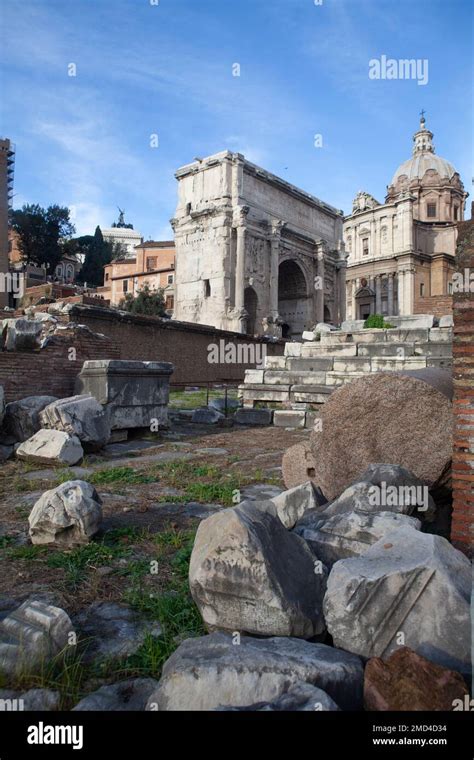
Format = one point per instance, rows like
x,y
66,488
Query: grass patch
x,y
77,562
127,475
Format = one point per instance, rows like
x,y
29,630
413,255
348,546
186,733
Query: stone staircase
x,y
301,380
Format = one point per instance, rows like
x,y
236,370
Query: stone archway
x,y
293,298
250,306
365,302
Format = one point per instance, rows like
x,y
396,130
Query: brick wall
x,y
463,375
439,306
53,369
183,344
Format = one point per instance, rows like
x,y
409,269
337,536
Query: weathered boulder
x,y
21,419
409,588
207,416
221,669
2,404
298,465
350,534
51,447
33,700
301,697
384,417
31,635
291,505
112,631
131,696
68,515
248,573
407,681
81,416
397,485
364,496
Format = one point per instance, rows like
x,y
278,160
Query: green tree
x,y
42,233
97,253
147,301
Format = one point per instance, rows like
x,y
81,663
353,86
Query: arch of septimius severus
x,y
255,254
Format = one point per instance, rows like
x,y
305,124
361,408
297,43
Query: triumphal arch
x,y
255,254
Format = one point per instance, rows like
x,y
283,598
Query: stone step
x,y
339,378
385,349
338,349
432,349
407,336
275,362
272,377
310,363
395,364
441,334
360,336
312,394
352,364
262,392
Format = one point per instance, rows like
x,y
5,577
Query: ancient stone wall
x,y
52,370
463,374
185,345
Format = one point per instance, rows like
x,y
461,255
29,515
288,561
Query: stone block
x,y
352,364
408,582
207,416
254,376
67,516
239,579
293,504
134,393
208,672
31,635
288,418
52,447
22,417
131,695
23,334
349,534
397,363
310,364
352,325
385,349
441,335
293,349
80,416
446,321
256,417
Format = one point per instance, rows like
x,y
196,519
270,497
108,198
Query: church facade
x,y
401,252
255,254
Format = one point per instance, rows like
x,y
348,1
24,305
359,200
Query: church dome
x,y
424,159
416,167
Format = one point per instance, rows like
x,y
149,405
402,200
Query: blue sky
x,y
166,69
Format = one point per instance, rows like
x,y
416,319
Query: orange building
x,y
153,264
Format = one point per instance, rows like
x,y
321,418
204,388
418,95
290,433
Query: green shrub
x,y
376,321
